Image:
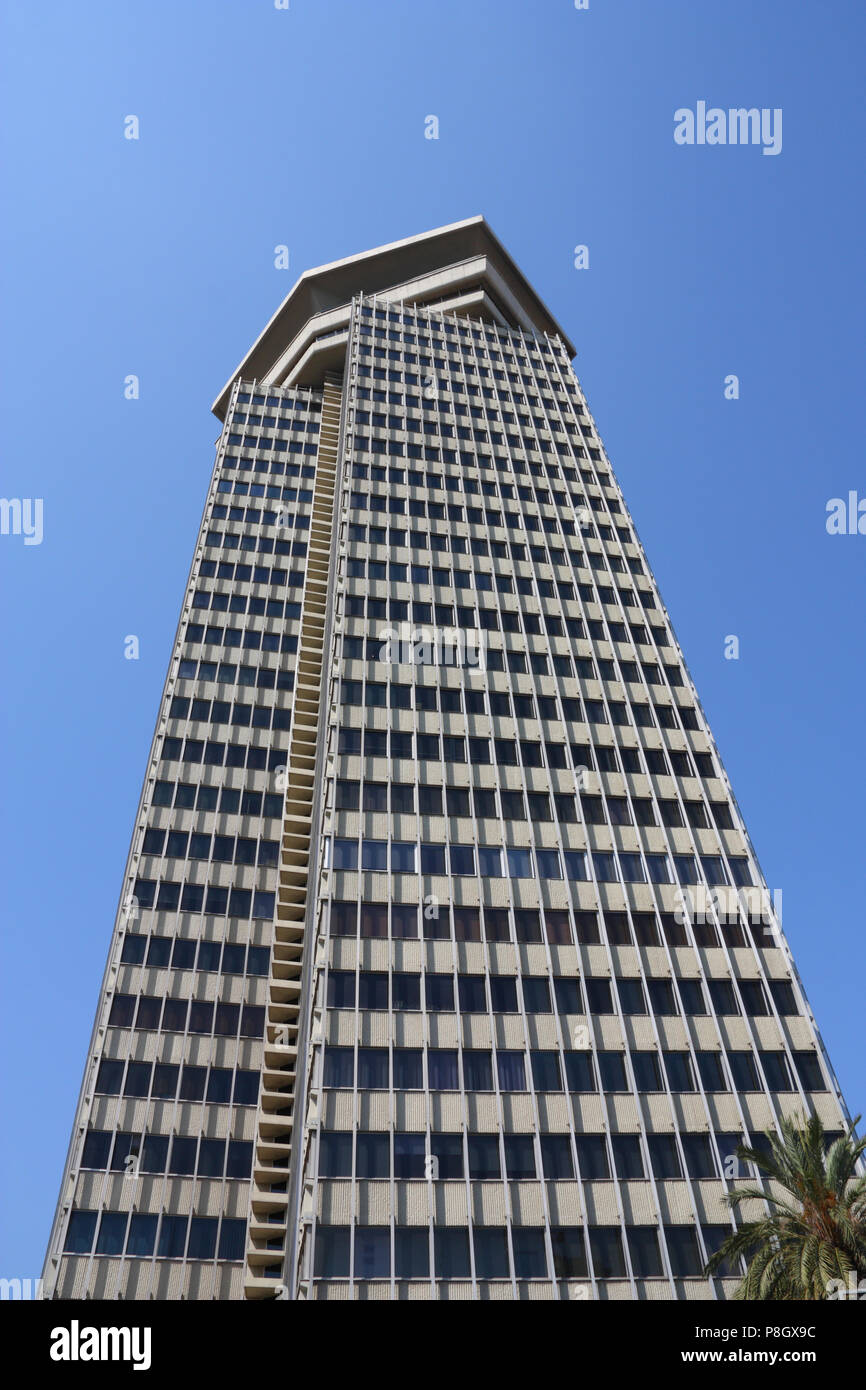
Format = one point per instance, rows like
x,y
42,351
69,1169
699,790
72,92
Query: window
x,y
631,996
451,1247
592,1161
511,1069
698,1153
744,1071
411,1253
372,1068
611,1066
477,1070
664,1156
569,1252
809,1071
546,1074
647,1072
678,1068
442,1070
373,990
373,1156
683,1251
711,1071
519,1156
462,858
608,1259
484,1156
339,1067
408,1069
332,1252
644,1252
530,1258
627,1158
776,1070
556,1157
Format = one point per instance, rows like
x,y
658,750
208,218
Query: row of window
x,y
169,896
231,673
235,712
491,439
455,511
398,695
482,581
135,1235
266,545
267,442
183,953
279,446
526,1255
460,802
395,538
170,1081
479,487
441,1157
379,990
463,368
247,463
213,753
240,488
255,574
178,1155
482,546
293,402
382,743
528,925
228,800
496,861
443,1065
187,1015
507,462
215,635
444,541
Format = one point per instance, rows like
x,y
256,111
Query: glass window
x,y
545,1071
483,1156
408,1069
339,1067
112,1233
451,1246
519,1156
608,1258
627,1158
683,1251
373,1156
491,1252
332,1252
442,1069
511,1069
569,1252
556,1156
402,857
373,1068
643,1248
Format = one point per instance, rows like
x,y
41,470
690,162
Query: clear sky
x,y
304,127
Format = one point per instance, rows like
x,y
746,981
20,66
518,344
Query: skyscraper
x,y
443,966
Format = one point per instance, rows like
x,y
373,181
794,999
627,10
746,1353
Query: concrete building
x,y
443,966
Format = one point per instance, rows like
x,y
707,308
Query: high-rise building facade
x,y
443,966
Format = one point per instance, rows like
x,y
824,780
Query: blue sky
x,y
261,127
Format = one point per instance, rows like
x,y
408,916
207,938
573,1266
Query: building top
x,y
461,268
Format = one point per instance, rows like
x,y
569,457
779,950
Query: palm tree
x,y
815,1230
